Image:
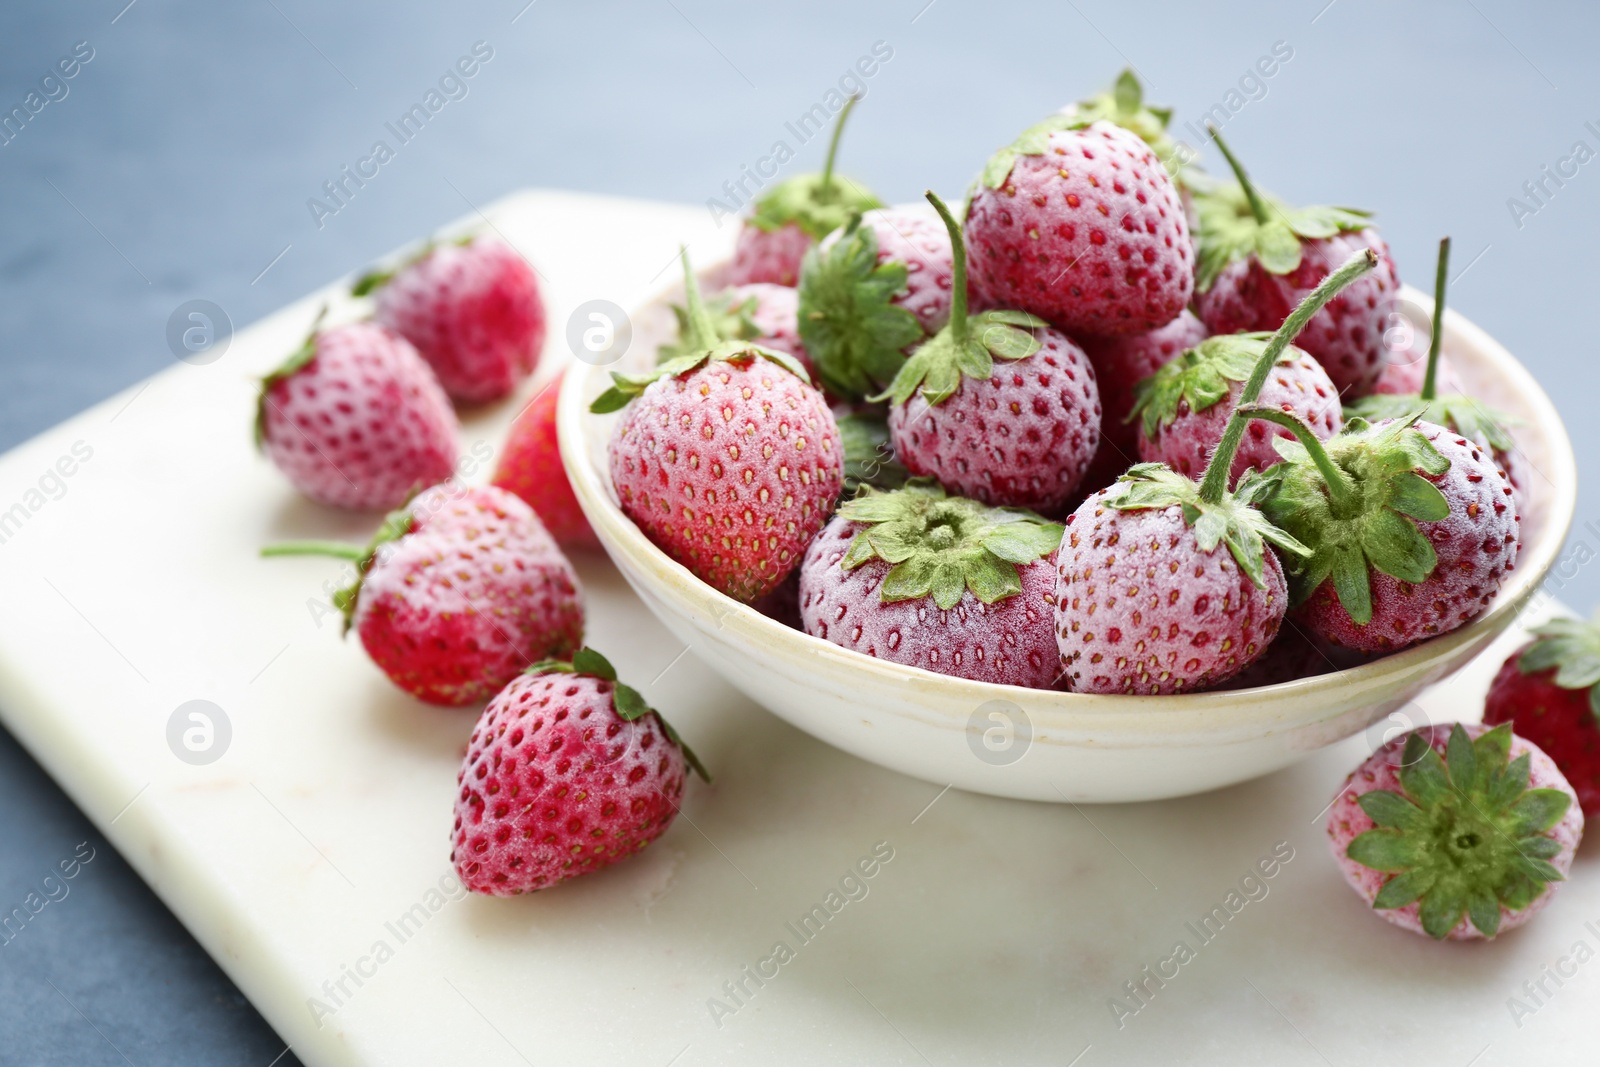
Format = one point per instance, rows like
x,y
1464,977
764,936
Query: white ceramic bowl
x,y
1042,745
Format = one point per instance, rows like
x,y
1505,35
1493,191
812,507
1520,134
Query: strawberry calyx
x,y
732,321
869,457
1466,836
852,329
1237,221
298,360
817,203
628,702
700,343
966,346
1201,376
397,524
1123,105
941,546
1233,521
378,277
1461,414
1355,500
1571,648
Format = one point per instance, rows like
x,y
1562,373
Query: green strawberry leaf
x,y
1200,377
869,457
937,366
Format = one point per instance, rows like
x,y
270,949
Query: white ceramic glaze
x,y
1053,746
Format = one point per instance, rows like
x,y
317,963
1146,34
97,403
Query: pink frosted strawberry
x,y
1549,691
726,457
530,466
356,419
472,309
1081,225
1182,409
1259,258
567,772
871,291
795,215
1458,832
943,583
1017,432
1168,586
1412,529
458,591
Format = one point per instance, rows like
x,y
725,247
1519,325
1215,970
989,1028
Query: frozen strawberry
x,y
1411,528
473,310
1081,225
795,215
1259,258
870,292
1549,694
942,583
1168,586
356,419
530,466
1019,432
1182,409
458,591
726,457
1440,404
567,772
1458,832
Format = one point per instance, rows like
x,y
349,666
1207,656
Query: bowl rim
x,y
1262,707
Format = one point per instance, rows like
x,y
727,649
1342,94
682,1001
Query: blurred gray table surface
x,y
180,158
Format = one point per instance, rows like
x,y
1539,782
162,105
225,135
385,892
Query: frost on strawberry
x,y
1549,691
944,583
1459,832
567,772
726,457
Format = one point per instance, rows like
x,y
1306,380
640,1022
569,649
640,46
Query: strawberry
x,y
473,310
943,583
1411,529
1259,258
1019,434
356,419
567,772
726,457
1080,224
457,592
1456,412
1458,832
1182,409
795,215
871,291
1166,586
1547,691
530,466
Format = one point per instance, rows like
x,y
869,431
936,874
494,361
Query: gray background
x,y
180,163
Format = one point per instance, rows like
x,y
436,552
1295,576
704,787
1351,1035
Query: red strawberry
x,y
1462,847
1184,407
474,312
356,419
568,771
726,457
1083,227
530,466
936,582
459,591
1259,258
795,215
1166,586
1376,580
1547,691
1018,433
870,292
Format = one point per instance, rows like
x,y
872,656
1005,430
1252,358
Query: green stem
x,y
825,187
958,273
335,549
1341,490
1430,381
1257,207
701,333
1215,483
